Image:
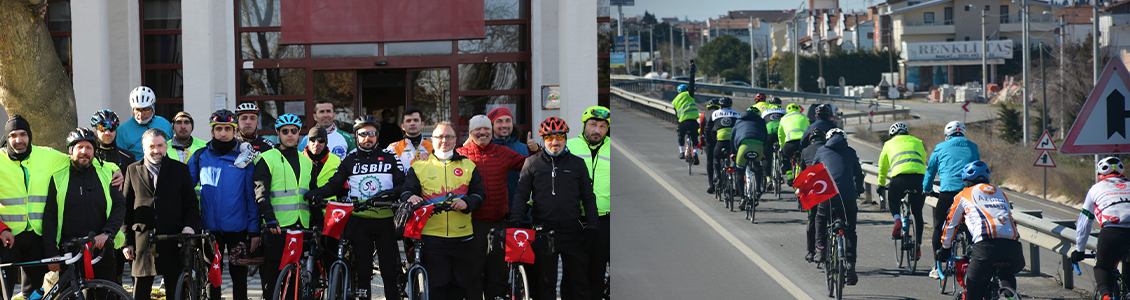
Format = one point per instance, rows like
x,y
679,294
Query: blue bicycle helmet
x,y
682,88
288,119
976,170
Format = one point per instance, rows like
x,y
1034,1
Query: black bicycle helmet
x,y
824,110
775,101
817,136
366,120
726,102
105,118
81,134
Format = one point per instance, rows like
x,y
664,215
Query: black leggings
x,y
226,241
366,235
981,269
843,209
1113,245
688,127
900,185
710,165
941,213
28,247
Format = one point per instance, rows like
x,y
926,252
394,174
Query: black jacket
x,y
558,186
258,143
843,164
168,208
117,155
85,210
808,154
824,125
379,164
262,180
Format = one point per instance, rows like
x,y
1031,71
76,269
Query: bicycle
x,y
73,284
835,268
688,153
961,248
341,283
303,279
415,278
1118,288
777,177
753,186
517,281
906,244
728,189
192,283
996,291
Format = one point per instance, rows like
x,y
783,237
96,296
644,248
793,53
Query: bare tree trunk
x,y
32,80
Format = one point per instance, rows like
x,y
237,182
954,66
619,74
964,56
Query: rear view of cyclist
x,y
947,161
759,101
792,129
985,210
723,121
687,111
708,139
806,159
823,121
903,158
1106,203
749,135
772,119
842,164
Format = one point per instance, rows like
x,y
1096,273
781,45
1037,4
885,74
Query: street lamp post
x,y
984,57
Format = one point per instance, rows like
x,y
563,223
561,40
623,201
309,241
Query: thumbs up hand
x,y
531,143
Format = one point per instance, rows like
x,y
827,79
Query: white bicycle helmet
x,y
1109,165
896,127
247,108
834,131
142,97
954,127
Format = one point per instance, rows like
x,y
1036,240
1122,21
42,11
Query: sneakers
x,y
897,233
852,278
696,158
919,254
1107,297
934,274
681,156
819,257
710,190
810,257
741,207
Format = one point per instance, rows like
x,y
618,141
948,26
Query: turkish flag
x,y
214,274
815,186
415,225
518,245
86,257
337,214
293,249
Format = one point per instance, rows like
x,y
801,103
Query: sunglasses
x,y
222,119
106,126
443,137
367,134
289,131
600,113
554,137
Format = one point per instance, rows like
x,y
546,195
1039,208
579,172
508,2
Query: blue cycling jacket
x,y
947,160
227,194
129,133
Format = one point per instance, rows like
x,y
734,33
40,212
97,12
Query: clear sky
x,y
703,9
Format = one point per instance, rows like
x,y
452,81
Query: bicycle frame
x,y
70,259
195,260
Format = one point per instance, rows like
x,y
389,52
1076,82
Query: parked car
x,y
737,83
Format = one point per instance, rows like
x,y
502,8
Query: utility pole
x,y
1095,52
1027,47
619,20
984,60
1062,88
796,55
671,40
684,46
752,57
767,50
1044,120
651,47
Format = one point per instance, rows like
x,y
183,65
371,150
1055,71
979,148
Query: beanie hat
x,y
17,122
498,113
479,121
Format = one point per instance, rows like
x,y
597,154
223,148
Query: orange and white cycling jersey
x,y
985,211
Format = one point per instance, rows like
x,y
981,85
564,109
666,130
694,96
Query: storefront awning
x,y
963,62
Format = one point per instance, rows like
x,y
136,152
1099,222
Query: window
x,y
986,8
431,93
161,58
966,38
949,40
1004,14
966,8
949,16
59,24
871,35
928,17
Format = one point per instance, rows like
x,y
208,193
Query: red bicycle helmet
x,y
553,125
760,97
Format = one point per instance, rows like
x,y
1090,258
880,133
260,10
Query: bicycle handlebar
x,y
153,236
1076,264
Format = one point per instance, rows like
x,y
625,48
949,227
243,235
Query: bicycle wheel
x,y
689,155
1007,293
841,267
777,177
186,288
730,191
98,289
338,287
286,286
417,284
909,242
519,290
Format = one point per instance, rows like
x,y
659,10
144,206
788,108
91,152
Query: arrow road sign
x,y
1046,142
965,106
1045,160
1101,127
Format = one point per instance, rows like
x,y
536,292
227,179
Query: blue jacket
x,y
227,195
843,164
824,125
947,160
512,178
749,126
129,133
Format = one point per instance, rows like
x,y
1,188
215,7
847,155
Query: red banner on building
x,y
366,21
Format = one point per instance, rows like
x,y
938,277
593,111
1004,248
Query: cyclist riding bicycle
x,y
792,129
772,119
749,134
903,159
842,164
947,161
708,138
760,102
806,159
985,210
722,122
1106,203
687,111
823,121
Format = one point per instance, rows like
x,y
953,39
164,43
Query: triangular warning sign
x,y
1045,160
1102,124
1046,142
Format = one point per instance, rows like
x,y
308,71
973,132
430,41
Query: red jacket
x,y
494,162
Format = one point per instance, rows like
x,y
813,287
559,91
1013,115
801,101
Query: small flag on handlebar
x,y
214,274
337,214
86,261
518,245
293,249
415,225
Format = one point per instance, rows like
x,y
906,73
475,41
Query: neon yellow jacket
x,y
685,107
902,154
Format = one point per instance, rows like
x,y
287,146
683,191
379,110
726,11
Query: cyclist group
x,y
967,202
121,182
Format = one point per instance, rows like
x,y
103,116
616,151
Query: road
x,y
674,241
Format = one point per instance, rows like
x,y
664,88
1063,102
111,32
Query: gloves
x,y
313,195
1076,256
247,154
943,254
882,190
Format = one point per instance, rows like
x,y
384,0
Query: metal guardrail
x,y
640,84
1039,233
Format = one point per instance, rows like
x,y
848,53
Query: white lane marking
x,y
725,233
